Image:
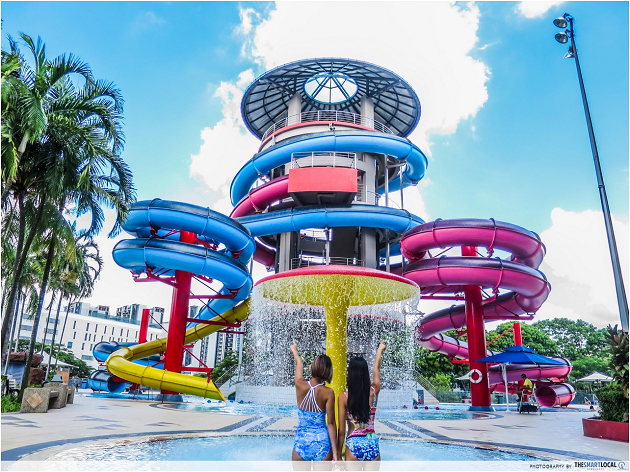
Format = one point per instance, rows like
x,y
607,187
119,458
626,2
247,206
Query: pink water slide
x,y
257,200
446,276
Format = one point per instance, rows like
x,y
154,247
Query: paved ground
x,y
29,439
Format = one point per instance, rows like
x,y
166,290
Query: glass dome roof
x,y
330,84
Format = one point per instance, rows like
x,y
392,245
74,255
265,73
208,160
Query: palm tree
x,y
69,153
81,265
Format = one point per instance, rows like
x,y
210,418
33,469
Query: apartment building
x,y
86,326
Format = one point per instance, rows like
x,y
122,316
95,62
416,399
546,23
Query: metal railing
x,y
323,159
307,261
366,196
327,116
226,376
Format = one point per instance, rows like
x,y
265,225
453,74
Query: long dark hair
x,y
359,390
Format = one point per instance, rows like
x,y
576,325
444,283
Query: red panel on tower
x,y
323,179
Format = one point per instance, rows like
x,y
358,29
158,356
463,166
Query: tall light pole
x,y
564,37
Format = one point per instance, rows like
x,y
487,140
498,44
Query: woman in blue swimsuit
x,y
357,408
315,438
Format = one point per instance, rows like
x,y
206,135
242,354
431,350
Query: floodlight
x,y
561,22
562,37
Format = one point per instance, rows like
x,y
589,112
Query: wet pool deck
x,y
28,439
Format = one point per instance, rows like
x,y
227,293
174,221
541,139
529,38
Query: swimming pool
x,y
445,411
270,448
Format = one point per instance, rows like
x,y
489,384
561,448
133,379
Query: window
x,y
87,327
69,344
82,346
27,328
85,338
74,325
121,330
74,335
112,330
91,347
87,358
102,338
127,333
96,329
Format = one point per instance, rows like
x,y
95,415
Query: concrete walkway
x,y
29,439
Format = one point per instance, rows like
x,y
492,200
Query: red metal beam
x,y
216,323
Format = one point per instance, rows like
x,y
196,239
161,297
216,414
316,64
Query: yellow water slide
x,y
120,362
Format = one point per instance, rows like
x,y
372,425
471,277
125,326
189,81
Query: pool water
x,y
271,448
446,411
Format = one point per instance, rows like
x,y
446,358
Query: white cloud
x,y
227,145
146,20
533,9
579,268
426,43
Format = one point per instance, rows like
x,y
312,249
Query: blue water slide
x,y
296,219
103,381
333,141
165,215
151,218
136,254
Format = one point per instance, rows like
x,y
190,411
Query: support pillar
x,y
142,338
518,339
480,392
177,324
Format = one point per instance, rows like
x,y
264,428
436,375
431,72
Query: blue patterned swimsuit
x,y
312,441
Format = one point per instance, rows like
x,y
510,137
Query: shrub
x,y
10,404
613,404
446,396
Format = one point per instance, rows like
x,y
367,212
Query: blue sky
x,y
502,123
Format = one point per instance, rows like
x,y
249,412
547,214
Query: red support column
x,y
144,326
179,313
480,392
518,339
142,338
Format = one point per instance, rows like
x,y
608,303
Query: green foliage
x,y
10,404
613,402
441,381
575,339
229,361
618,341
63,354
532,337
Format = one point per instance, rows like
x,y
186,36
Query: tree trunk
x,y
50,305
20,259
40,305
52,341
15,320
63,329
14,280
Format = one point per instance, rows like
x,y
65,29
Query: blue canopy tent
x,y
518,355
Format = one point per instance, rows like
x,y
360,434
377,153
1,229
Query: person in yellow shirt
x,y
524,386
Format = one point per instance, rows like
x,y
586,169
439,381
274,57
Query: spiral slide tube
x,y
339,141
264,224
122,363
529,287
228,266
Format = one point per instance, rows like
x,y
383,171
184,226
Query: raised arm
x,y
332,425
376,373
299,365
341,435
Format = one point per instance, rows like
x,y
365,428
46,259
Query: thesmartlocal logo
x,y
600,465
584,465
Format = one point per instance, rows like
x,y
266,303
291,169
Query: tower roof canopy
x,y
330,84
